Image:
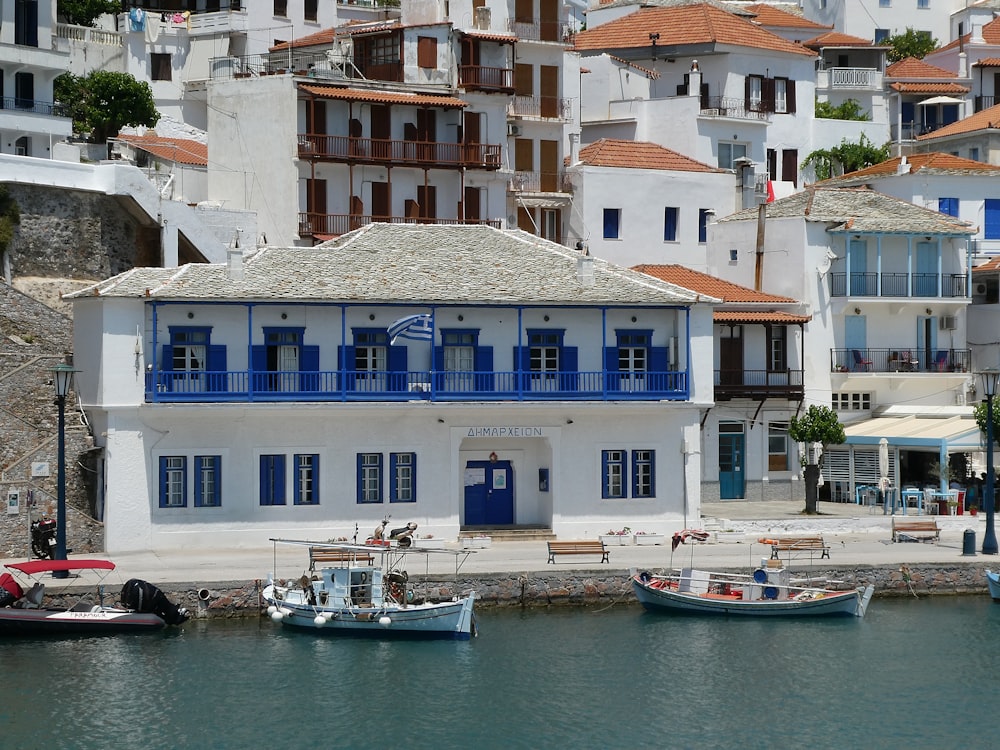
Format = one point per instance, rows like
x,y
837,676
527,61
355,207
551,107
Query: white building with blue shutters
x,y
233,403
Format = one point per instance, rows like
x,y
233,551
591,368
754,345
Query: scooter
x,y
43,538
403,536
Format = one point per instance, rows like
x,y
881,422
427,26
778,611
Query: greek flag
x,y
417,327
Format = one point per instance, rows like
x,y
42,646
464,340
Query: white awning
x,y
953,434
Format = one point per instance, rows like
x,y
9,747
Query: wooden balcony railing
x,y
338,224
898,285
485,78
539,182
342,148
551,107
757,384
915,359
535,29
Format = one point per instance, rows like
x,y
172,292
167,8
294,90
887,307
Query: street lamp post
x,y
63,379
989,378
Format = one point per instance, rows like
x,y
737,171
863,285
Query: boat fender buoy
x,y
770,592
319,621
760,576
385,621
277,616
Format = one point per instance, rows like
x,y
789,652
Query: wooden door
x,y
472,204
548,14
524,79
549,90
427,198
548,158
731,358
471,129
381,207
381,130
790,165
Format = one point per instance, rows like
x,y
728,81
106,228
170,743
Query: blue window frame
x,y
306,479
616,464
948,206
613,470
272,479
612,223
991,225
402,477
703,214
881,36
643,472
173,481
461,363
207,481
369,477
670,223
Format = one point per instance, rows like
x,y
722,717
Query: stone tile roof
x,y
610,152
911,67
712,286
411,264
856,209
178,150
381,97
836,39
684,26
932,163
987,119
768,15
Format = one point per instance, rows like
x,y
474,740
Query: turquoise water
x,y
913,674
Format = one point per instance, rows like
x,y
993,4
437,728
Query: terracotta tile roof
x,y
987,62
929,88
932,163
609,152
771,316
768,15
486,36
179,150
382,97
991,35
649,73
836,39
911,67
712,286
683,26
987,119
993,264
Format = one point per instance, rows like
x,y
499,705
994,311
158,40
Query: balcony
x,y
758,384
485,78
434,154
865,79
984,102
539,30
338,224
544,107
254,386
724,106
950,285
913,360
48,109
540,182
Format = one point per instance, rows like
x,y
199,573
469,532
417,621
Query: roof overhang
x,y
952,434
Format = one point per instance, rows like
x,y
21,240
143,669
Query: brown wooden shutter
x,y
790,96
427,52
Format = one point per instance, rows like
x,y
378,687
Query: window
x,y
948,206
26,22
777,348
306,479
642,473
369,477
189,348
459,359
704,214
729,152
612,223
991,229
370,351
207,482
923,4
633,351
272,479
777,446
544,351
613,474
881,36
670,224
781,86
884,3
281,8
311,10
846,401
402,477
550,224
755,93
974,154
173,481
159,66
24,90
426,52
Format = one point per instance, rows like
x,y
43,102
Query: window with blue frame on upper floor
x,y
991,223
613,468
190,362
306,479
881,35
369,477
402,477
282,361
670,223
973,154
633,350
207,481
948,206
612,223
189,348
643,472
173,481
272,479
462,364
704,216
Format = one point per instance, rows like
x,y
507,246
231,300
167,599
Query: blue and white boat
x,y
993,583
364,589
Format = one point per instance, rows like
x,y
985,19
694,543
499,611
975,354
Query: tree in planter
x,y
101,103
818,425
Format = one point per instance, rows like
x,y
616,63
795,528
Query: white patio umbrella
x,y
883,469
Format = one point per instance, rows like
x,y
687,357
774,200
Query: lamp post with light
x,y
62,376
989,378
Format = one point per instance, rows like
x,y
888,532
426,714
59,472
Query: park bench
x,y
927,531
582,547
794,544
324,555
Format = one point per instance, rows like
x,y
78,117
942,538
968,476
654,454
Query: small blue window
x,y
369,477
207,481
403,477
670,224
613,470
272,479
948,206
173,481
991,225
643,465
612,223
306,479
703,217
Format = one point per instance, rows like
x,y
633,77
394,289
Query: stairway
x,y
509,532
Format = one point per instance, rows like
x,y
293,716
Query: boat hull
x,y
845,604
993,583
35,622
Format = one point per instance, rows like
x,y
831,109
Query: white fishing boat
x,y
365,589
993,583
26,609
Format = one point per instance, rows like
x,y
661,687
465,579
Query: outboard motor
x,y
145,597
43,538
403,535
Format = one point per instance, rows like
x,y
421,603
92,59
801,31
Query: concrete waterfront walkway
x,y
857,535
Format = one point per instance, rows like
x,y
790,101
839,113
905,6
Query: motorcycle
x,y
43,538
403,536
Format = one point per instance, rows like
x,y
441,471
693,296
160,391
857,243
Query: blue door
x,y
856,342
489,493
732,485
925,280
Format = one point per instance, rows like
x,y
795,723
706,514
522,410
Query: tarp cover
x,y
33,567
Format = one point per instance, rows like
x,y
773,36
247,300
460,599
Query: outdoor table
x,y
917,495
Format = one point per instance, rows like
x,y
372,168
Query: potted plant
x,y
973,509
617,538
645,537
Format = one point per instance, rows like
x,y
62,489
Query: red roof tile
x,y
991,35
179,150
609,152
648,72
738,316
836,39
933,160
711,286
929,88
993,264
987,62
682,26
768,15
988,119
381,97
911,67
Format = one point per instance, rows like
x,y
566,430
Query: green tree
x,y
818,425
10,216
103,102
847,157
981,416
85,12
910,44
849,110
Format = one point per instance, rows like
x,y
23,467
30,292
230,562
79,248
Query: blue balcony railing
x,y
898,285
244,385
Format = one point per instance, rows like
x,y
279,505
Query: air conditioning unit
x,y
949,322
979,289
514,130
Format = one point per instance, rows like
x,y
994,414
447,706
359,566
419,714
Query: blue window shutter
x,y
357,478
652,473
635,476
345,364
316,478
438,359
199,461
309,364
397,380
217,364
258,362
659,363
604,476
163,481
948,206
393,489
612,378
262,479
992,223
483,359
279,480
413,476
167,365
569,364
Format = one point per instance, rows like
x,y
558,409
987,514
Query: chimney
x,y
585,266
963,65
904,165
574,148
694,79
234,259
976,37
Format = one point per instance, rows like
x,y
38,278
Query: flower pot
x,y
648,539
616,540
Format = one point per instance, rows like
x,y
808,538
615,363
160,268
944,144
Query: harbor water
x,y
912,674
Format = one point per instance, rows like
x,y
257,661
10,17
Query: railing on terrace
x,y
399,153
534,29
338,224
243,385
898,285
553,107
984,102
88,35
758,384
540,182
486,78
724,106
913,360
34,106
855,78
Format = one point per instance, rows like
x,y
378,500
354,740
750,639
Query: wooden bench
x,y
926,531
791,544
325,555
582,547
